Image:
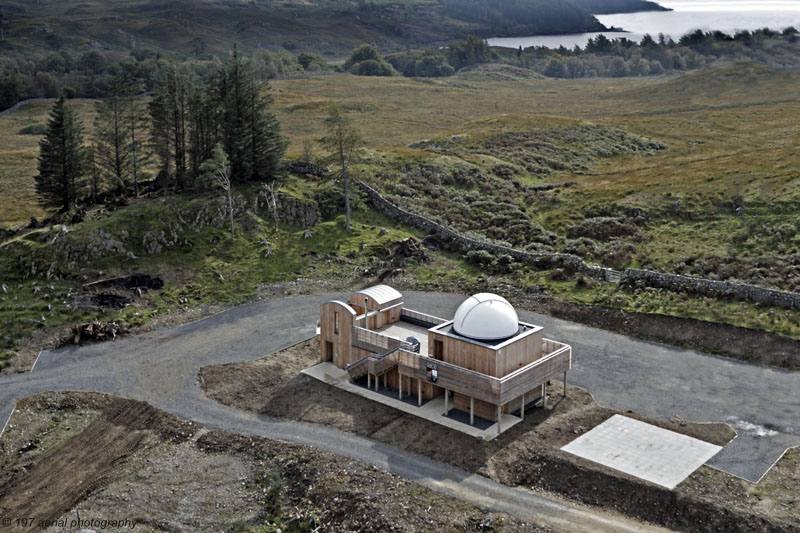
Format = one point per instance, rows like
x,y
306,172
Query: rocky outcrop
x,y
99,244
298,212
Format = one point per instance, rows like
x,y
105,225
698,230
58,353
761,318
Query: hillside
x,y
212,26
650,173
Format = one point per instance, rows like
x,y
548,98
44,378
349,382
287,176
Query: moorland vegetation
x,y
648,167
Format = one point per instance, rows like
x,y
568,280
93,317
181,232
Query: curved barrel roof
x,y
382,295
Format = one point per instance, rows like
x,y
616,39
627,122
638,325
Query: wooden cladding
x,y
422,318
378,319
360,299
450,376
533,375
463,354
497,391
340,340
381,366
375,342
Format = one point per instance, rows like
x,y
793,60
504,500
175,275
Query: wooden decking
x,y
390,354
497,391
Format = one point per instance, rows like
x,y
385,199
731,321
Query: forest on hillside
x,y
90,74
212,27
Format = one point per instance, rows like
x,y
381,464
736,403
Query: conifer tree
x,y
267,144
160,138
169,110
250,132
112,139
136,119
61,159
190,117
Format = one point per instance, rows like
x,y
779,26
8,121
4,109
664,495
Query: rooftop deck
x,y
402,330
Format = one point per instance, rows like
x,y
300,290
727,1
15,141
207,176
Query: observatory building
x,y
485,362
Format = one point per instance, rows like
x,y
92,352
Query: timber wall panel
x,y
519,354
541,371
343,340
422,317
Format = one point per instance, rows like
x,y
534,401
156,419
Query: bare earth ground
x,y
528,454
109,458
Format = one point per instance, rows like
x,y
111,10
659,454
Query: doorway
x,y
438,350
328,351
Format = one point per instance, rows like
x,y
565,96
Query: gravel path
x,y
161,368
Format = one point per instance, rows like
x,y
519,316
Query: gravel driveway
x,y
654,380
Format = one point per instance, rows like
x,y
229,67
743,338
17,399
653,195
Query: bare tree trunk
x,y
223,177
347,201
230,210
346,179
272,201
133,118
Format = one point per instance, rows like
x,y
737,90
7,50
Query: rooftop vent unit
x,y
414,342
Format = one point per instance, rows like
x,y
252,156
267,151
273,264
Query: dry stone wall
x,y
630,277
706,287
466,244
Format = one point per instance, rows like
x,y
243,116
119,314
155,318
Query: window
x,y
336,322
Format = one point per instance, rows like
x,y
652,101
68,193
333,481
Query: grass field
x,y
731,133
18,163
731,130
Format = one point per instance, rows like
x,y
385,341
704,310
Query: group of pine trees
x,y
185,119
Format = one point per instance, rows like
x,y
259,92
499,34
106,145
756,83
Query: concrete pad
x,y
432,410
648,452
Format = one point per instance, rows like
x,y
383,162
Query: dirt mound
x,y
101,300
202,481
115,293
132,282
52,483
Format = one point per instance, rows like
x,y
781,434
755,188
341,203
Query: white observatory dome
x,y
487,317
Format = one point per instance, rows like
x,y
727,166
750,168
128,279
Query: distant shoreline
x,y
598,27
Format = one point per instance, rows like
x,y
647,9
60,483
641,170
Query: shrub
x,y
432,67
421,64
502,264
34,129
365,52
482,258
372,67
618,68
602,228
311,62
616,254
556,69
